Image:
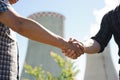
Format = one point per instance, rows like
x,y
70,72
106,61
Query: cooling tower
x,y
39,53
100,66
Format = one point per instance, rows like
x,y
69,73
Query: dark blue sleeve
x,y
105,33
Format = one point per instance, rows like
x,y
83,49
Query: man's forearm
x,y
91,46
31,29
37,32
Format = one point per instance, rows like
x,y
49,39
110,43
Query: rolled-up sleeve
x,y
105,33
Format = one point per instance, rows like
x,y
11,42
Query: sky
x,y
82,19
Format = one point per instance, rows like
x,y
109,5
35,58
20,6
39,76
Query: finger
x,y
70,39
80,48
63,51
66,52
74,56
80,52
76,46
71,54
74,40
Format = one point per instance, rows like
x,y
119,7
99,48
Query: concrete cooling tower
x,y
39,53
100,66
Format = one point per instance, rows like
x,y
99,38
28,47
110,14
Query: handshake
x,y
74,49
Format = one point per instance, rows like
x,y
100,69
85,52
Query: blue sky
x,y
79,16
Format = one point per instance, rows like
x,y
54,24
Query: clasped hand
x,y
75,49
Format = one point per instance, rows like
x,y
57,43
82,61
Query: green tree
x,y
68,72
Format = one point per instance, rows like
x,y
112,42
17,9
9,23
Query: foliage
x,y
68,72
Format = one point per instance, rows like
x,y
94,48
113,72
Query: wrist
x,y
82,46
63,44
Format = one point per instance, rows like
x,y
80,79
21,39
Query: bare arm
x,y
91,46
30,28
34,30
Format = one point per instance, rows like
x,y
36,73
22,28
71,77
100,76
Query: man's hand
x,y
75,49
13,1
